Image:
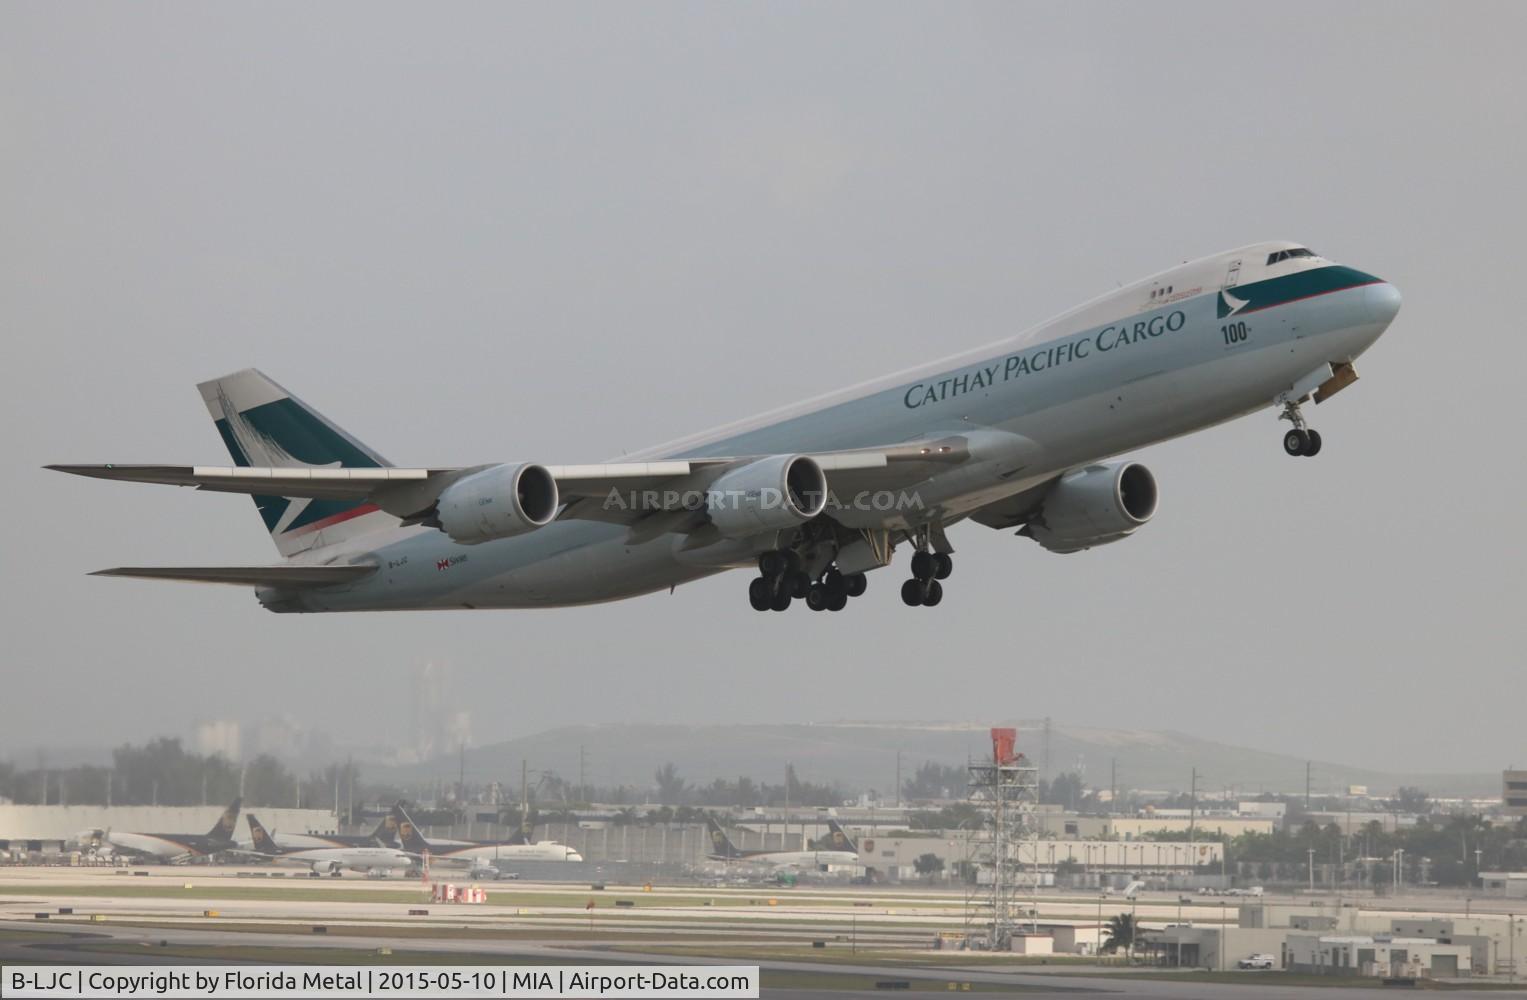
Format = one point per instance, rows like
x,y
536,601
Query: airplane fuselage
x,y
166,846
1180,351
352,858
792,859
487,854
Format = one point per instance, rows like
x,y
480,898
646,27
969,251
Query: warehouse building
x,y
1376,955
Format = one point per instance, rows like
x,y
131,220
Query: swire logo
x,y
449,561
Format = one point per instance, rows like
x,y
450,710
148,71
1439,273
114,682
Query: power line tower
x,y
1004,787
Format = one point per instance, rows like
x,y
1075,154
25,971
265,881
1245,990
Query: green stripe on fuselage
x,y
1292,287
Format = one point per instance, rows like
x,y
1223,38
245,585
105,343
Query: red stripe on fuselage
x,y
333,519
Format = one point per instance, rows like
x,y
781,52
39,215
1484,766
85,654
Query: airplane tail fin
x,y
263,425
408,834
721,844
263,842
838,839
228,823
386,832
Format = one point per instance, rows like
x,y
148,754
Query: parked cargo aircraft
x,y
178,847
477,853
385,835
327,860
1019,434
722,849
837,839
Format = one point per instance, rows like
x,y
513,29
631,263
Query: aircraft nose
x,y
1383,303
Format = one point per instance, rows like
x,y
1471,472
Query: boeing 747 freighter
x,y
1023,434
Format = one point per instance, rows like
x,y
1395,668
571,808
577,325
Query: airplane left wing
x,y
658,486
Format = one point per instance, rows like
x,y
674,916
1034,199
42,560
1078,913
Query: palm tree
x,y
1121,933
671,789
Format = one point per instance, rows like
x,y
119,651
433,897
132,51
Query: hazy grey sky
x,y
473,233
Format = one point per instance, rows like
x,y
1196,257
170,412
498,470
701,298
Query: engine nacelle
x,y
771,494
500,502
326,867
1094,506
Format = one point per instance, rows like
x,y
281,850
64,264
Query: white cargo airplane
x,y
843,852
476,854
327,860
1016,434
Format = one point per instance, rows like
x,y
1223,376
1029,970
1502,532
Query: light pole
x,y
1100,926
1512,929
1311,852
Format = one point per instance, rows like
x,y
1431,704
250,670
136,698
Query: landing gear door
x,y
1233,275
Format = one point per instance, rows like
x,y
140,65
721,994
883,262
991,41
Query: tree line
x,y
162,772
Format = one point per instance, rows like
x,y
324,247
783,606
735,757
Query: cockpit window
x,y
1273,258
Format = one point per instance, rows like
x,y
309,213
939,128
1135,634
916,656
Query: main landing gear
x,y
924,589
781,581
1301,439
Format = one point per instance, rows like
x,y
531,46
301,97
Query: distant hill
x,y
862,755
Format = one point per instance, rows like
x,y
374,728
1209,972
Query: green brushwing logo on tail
x,y
283,433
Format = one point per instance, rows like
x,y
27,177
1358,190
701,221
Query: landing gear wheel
x,y
1296,442
834,583
855,584
837,602
912,593
781,601
816,597
799,584
760,594
1314,448
934,595
771,563
943,565
924,565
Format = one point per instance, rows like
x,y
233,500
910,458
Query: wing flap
x,y
247,576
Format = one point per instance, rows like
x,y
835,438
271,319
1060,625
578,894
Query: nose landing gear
x,y
1301,439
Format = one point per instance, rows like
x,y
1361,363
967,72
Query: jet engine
x,y
500,502
326,867
768,495
1094,506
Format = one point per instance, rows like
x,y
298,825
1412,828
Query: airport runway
x,y
1061,986
160,917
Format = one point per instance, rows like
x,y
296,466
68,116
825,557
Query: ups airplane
x,y
177,848
1020,434
813,857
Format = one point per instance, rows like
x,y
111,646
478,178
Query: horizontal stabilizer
x,y
349,484
247,576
